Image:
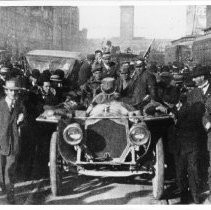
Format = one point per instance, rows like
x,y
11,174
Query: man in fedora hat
x,y
201,77
11,116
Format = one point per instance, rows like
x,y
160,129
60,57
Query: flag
x,y
147,53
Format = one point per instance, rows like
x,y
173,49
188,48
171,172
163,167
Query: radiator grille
x,y
106,136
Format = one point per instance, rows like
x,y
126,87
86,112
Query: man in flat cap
x,y
11,116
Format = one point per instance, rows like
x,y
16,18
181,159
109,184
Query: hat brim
x,y
55,80
11,88
199,75
108,91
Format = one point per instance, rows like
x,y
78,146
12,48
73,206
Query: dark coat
x,y
111,72
84,73
9,136
169,94
2,83
124,92
144,84
190,133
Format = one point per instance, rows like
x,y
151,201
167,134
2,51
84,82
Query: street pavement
x,y
82,190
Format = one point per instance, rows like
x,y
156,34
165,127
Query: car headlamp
x,y
73,134
139,134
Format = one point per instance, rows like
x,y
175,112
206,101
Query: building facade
x,y
28,28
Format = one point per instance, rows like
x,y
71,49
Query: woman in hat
x,y
11,116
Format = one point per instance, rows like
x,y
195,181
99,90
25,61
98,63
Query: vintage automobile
x,y
112,140
52,60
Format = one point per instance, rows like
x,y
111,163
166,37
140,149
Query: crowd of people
x,y
181,91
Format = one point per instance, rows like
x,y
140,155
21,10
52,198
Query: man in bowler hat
x,y
191,137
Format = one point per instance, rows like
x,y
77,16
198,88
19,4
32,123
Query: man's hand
x,y
208,126
162,109
20,118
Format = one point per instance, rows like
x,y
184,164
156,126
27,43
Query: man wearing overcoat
x,y
191,136
11,116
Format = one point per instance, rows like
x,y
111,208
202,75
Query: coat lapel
x,y
208,93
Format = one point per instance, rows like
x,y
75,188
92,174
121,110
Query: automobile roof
x,y
56,53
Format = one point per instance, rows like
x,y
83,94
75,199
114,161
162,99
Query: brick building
x,y
27,28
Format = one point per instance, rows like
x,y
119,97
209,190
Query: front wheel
x,y
55,166
158,179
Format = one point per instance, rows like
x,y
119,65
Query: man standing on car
x,y
143,86
11,116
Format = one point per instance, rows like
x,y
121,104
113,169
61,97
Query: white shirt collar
x,y
205,87
9,102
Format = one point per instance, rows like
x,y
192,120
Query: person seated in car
x,y
56,83
34,79
108,93
92,87
47,93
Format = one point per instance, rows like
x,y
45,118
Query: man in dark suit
x,y
85,71
123,82
143,85
202,80
191,136
11,116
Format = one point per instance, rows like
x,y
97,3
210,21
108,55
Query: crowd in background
x,y
175,89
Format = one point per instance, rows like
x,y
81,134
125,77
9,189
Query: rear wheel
x,y
158,180
56,166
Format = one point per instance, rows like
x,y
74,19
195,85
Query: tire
x,y
55,169
158,179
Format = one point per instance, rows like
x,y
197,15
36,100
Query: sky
x,y
160,21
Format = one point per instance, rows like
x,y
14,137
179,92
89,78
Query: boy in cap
x,y
11,116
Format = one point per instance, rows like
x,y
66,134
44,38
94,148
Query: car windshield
x,y
52,63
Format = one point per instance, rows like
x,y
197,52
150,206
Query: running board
x,y
112,173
